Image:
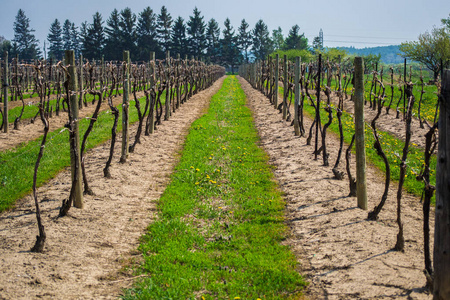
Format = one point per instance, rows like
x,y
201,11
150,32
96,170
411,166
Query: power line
x,y
352,42
368,37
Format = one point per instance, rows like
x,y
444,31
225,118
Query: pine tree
x,y
128,31
164,29
146,35
25,43
244,39
213,40
295,40
113,43
5,45
262,44
229,50
179,42
67,35
74,39
84,38
94,40
196,34
55,39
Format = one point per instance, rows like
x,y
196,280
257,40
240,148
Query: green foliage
x,y
54,37
295,40
220,220
93,38
196,34
230,55
244,39
430,49
164,29
262,44
213,41
291,54
332,54
146,34
25,43
277,38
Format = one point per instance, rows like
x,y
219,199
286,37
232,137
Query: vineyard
x,y
219,225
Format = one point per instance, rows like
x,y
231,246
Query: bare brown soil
x,y
87,252
342,254
29,131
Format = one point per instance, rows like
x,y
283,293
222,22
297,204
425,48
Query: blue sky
x,y
357,23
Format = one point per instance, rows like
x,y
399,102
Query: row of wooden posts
x,y
441,258
253,73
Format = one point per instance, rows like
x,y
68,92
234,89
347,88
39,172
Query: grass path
x,y
220,220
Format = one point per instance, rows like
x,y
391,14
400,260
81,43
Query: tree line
x,y
149,31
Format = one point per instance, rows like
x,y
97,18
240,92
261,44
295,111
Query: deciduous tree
x,y
430,49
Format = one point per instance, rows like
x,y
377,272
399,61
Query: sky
x,y
357,23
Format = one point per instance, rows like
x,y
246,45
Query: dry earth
x,y
86,251
343,255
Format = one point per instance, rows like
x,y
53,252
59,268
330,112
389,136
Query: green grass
x,y
220,220
17,165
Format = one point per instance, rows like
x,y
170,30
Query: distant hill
x,y
389,54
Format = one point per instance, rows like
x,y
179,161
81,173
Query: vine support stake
x,y
275,86
152,84
75,152
5,94
285,77
125,105
361,191
441,255
297,95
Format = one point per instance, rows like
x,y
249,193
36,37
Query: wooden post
x,y
441,255
167,104
275,92
361,192
316,143
125,107
80,101
5,94
75,152
404,90
297,95
285,77
152,83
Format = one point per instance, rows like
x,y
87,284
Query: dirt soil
x,y
86,252
29,131
342,254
